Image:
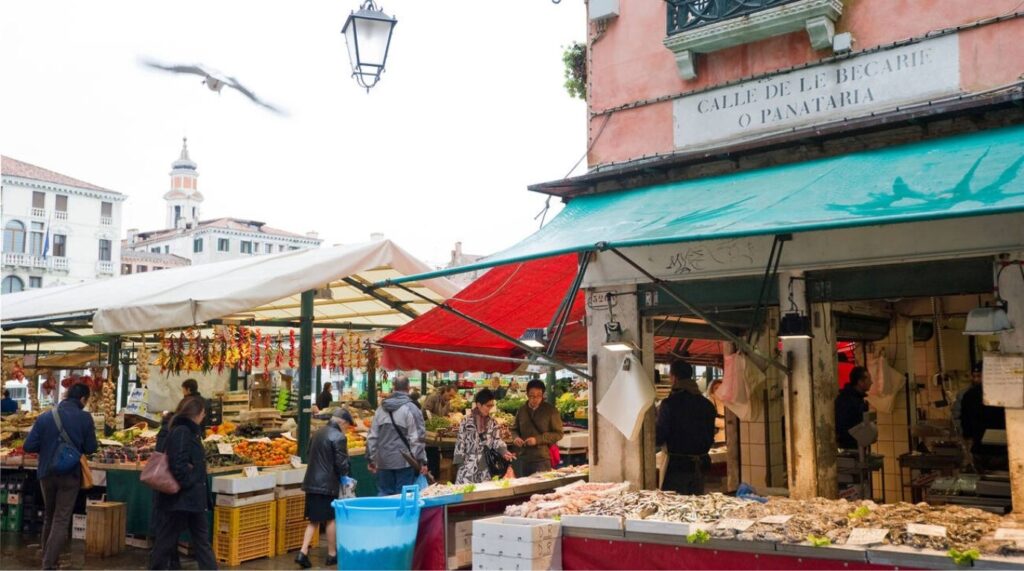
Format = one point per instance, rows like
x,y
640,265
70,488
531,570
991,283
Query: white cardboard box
x,y
288,476
607,522
239,484
503,528
575,440
233,501
499,562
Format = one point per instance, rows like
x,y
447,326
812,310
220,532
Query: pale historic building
x,y
57,229
187,236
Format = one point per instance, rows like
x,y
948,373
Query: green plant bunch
x,y
574,57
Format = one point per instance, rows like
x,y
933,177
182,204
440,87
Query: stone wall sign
x,y
848,88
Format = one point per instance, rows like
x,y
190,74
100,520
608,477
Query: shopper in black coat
x,y
185,510
328,463
157,514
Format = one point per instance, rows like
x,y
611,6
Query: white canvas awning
x,y
255,288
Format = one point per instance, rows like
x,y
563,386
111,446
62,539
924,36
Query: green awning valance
x,y
966,175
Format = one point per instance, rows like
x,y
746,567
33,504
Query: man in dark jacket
x,y
686,426
328,462
851,406
976,417
60,490
536,427
397,430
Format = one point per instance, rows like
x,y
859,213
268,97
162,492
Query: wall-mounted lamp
x,y
615,339
988,320
535,337
794,324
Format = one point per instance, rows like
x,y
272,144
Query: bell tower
x,y
183,199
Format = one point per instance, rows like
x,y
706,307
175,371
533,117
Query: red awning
x,y
512,299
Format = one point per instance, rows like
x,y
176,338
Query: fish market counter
x,y
588,548
444,540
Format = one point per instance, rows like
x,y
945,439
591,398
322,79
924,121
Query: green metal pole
x,y
423,383
319,378
550,382
233,379
305,370
124,383
371,380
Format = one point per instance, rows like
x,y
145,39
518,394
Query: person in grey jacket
x,y
397,431
328,462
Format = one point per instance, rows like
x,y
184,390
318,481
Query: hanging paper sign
x,y
923,529
225,448
1002,380
775,519
867,536
251,471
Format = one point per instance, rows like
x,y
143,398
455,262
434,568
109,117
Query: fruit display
x,y
264,453
214,459
356,441
567,404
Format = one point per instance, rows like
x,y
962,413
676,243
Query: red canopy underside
x,y
510,298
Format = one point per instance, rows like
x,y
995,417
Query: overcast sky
x,y
470,110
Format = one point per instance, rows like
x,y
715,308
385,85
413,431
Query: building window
x,y
105,250
35,281
60,246
39,200
14,237
62,203
177,215
246,247
156,268
167,249
268,248
223,245
193,212
280,247
293,248
12,284
155,250
35,239
106,213
197,245
140,268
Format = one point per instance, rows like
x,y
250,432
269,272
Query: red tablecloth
x,y
579,553
429,552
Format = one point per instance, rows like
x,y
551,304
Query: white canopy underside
x,y
256,288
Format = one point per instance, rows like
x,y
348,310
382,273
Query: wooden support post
x,y
812,391
1011,288
305,370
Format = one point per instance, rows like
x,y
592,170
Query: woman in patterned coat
x,y
478,432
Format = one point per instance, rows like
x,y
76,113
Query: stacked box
x,y
516,543
291,524
237,490
78,526
244,533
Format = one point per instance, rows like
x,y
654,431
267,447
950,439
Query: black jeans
x,y
156,518
59,495
168,531
684,476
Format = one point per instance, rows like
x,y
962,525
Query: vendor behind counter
x,y
976,417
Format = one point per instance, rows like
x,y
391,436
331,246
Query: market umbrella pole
x,y
305,370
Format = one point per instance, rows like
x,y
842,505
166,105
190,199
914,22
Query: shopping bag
x,y
87,481
157,475
741,386
886,382
347,489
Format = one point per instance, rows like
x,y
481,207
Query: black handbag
x,y
497,465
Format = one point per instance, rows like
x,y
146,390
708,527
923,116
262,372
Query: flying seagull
x,y
214,80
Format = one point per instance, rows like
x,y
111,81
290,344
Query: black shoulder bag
x,y
497,465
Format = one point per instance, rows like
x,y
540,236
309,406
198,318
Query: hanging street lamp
x,y
368,35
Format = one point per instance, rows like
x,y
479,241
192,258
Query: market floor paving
x,y
22,552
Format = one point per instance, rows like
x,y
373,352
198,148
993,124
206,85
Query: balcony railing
x,y
39,213
60,214
35,262
106,221
689,14
105,268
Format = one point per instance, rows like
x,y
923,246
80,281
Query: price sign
x,y
867,536
1010,534
775,519
296,462
251,471
923,529
214,437
224,448
737,524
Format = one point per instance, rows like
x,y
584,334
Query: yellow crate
x,y
291,509
234,549
239,520
290,535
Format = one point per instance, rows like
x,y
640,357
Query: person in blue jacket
x,y
8,405
60,490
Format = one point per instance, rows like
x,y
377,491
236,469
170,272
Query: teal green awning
x,y
966,175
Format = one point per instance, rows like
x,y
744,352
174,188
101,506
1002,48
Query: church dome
x,y
184,165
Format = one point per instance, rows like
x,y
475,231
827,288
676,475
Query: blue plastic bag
x,y
747,492
348,488
422,482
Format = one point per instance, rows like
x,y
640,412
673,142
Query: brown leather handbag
x,y
157,475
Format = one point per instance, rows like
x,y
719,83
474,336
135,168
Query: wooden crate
x,y
105,528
